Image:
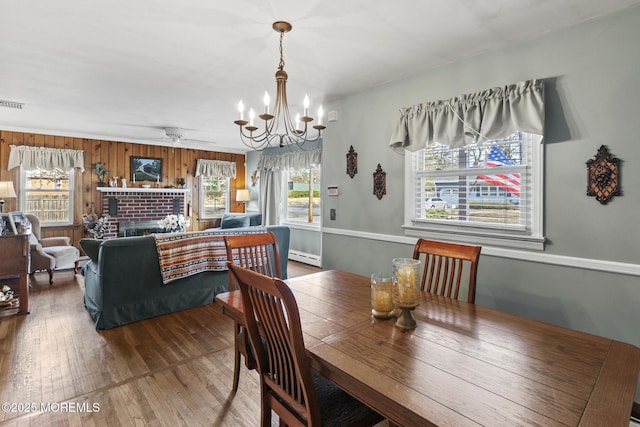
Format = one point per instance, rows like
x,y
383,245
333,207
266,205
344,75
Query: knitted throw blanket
x,y
184,254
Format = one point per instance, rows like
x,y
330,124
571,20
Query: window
x,y
303,195
214,196
48,194
490,192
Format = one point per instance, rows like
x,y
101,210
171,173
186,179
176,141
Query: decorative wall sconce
x,y
352,162
379,182
254,178
603,176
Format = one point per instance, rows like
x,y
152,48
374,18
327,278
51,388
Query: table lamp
x,y
243,196
6,191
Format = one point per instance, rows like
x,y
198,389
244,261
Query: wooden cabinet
x,y
14,267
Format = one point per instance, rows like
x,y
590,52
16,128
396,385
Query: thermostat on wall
x,y
332,190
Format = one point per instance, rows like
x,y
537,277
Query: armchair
x,y
51,253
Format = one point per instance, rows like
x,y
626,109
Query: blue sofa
x,y
123,281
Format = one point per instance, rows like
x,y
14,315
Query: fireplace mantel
x,y
141,190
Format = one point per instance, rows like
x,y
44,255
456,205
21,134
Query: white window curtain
x,y
491,114
271,167
215,168
31,158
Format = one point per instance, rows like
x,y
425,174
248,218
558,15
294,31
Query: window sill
x,y
475,236
56,224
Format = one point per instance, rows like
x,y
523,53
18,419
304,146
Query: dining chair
x,y
288,385
257,252
444,265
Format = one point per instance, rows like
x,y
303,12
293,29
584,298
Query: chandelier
x,y
278,126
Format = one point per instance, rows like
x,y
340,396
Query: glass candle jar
x,y
406,292
382,295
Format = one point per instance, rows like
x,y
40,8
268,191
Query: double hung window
x,y
489,192
214,196
48,194
474,166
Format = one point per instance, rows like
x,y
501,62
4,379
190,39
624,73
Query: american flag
x,y
510,182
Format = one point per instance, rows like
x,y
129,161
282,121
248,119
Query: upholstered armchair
x,y
51,253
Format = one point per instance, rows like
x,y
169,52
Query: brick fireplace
x,y
135,211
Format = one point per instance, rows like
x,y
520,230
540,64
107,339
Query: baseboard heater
x,y
306,258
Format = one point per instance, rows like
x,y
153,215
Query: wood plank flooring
x,y
172,370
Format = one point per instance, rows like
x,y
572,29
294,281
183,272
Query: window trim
x,y
71,213
468,233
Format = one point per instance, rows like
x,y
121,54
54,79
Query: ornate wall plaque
x,y
603,176
254,178
352,162
379,182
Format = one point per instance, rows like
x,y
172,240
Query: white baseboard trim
x,y
539,257
306,258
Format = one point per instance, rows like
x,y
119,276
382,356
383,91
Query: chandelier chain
x,y
281,64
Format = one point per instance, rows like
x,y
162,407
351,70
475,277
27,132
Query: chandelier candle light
x,y
278,126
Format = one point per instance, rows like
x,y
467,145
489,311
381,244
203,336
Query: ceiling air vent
x,y
12,104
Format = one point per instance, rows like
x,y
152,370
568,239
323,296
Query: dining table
x,y
463,365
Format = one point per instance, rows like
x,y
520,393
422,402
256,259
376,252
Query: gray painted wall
x,y
592,97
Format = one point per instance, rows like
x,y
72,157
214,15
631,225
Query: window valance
x,y
215,168
32,158
288,161
492,114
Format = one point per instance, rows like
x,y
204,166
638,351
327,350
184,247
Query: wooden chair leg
x,y
75,266
236,357
50,271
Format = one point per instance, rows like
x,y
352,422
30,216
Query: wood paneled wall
x,y
176,163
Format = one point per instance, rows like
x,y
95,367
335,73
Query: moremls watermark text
x,y
50,407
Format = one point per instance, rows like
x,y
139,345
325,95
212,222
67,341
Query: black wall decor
x,y
379,182
352,162
603,173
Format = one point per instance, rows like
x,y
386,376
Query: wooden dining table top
x,y
463,365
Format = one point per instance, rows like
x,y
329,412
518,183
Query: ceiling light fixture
x,y
278,126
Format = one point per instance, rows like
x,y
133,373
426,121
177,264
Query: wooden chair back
x,y
444,264
256,251
285,373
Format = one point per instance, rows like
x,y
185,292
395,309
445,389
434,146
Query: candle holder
x,y
406,293
382,296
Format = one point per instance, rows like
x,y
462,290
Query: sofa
x,y
124,282
235,220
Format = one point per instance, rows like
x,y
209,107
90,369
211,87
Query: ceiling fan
x,y
177,137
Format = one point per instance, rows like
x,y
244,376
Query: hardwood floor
x,y
173,370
